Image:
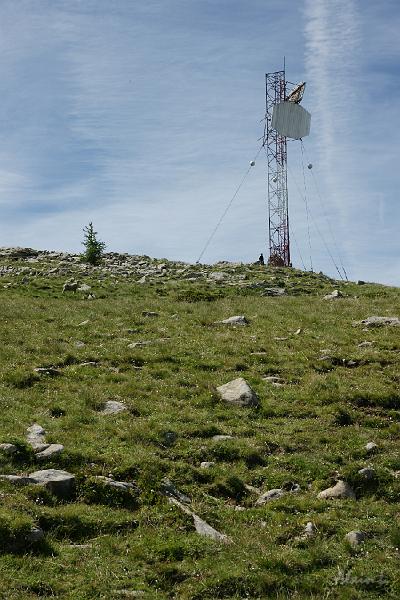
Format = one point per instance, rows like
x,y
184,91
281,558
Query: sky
x,y
143,117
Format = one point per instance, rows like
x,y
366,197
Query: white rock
x,y
370,446
340,490
206,464
221,438
355,537
333,295
270,495
310,530
113,407
238,392
50,451
8,448
201,526
236,320
379,321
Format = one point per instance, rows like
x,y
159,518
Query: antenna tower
x,y
276,148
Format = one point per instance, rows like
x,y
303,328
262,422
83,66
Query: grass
x,y
337,396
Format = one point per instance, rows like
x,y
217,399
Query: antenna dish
x,y
291,120
252,163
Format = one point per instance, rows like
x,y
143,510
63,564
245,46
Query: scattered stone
x,y
270,495
221,438
149,313
217,276
18,479
310,530
341,490
238,392
8,448
365,344
83,323
60,483
274,380
113,407
201,526
355,538
273,292
35,437
168,489
79,344
251,488
206,464
236,320
333,295
379,322
120,485
89,363
370,446
50,371
70,286
35,535
49,452
142,279
146,342
367,473
84,287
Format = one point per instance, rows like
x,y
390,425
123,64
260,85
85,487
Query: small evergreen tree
x,y
93,247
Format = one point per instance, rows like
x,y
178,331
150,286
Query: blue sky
x,y
143,116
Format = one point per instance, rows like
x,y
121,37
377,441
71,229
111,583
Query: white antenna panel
x,y
291,120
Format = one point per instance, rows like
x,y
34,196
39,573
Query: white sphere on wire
x,y
309,166
252,163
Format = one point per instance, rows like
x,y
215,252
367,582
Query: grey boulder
x,y
60,483
238,392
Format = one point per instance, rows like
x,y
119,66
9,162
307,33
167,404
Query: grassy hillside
x,y
144,334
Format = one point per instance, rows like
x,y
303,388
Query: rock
x,y
60,483
206,464
119,485
168,489
142,279
367,473
270,495
83,323
84,287
35,535
273,292
333,295
274,380
50,371
340,490
379,322
238,392
221,438
35,437
18,479
355,538
149,313
360,282
50,451
371,446
310,530
70,286
8,448
217,276
236,320
201,526
365,344
206,530
113,407
79,344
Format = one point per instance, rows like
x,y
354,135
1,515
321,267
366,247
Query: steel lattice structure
x,y
276,149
